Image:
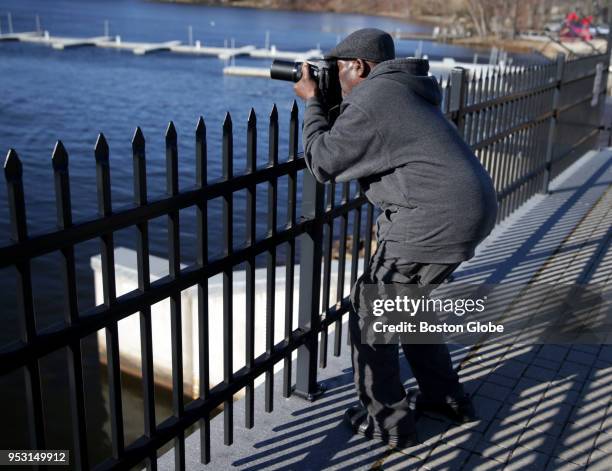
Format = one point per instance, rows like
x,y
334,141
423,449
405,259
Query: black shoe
x,y
459,410
357,418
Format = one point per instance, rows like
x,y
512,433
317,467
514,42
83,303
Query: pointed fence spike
x,y
251,142
140,172
12,166
138,140
170,131
252,118
472,87
201,152
517,80
101,149
201,126
227,148
227,122
273,137
59,158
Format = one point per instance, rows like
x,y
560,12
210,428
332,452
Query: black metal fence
x,y
526,124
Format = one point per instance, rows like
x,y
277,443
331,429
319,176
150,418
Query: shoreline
x,y
548,49
427,20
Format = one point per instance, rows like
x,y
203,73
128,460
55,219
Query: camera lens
x,y
286,70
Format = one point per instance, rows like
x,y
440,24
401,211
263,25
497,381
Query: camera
x,y
324,72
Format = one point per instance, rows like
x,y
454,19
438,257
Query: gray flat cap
x,y
369,44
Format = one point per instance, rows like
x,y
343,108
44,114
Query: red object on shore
x,y
575,27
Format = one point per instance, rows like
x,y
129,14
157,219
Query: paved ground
x,y
541,406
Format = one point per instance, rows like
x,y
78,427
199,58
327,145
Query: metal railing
x,y
525,124
528,124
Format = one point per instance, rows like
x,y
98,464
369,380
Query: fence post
x,y
552,130
605,76
310,285
458,82
609,42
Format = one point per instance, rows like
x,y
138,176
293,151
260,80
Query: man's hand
x,y
306,88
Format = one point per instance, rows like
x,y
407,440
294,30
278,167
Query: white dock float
x,y
129,327
65,43
274,53
137,48
220,52
247,71
43,38
235,52
59,42
147,48
18,36
447,64
450,63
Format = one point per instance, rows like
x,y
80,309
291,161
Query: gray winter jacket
x,y
411,162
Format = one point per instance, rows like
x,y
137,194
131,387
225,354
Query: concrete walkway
x,y
541,406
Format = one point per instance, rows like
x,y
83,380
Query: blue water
x,y
72,95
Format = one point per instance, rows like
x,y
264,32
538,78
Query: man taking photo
x,y
438,203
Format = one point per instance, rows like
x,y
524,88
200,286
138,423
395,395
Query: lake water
x,y
72,95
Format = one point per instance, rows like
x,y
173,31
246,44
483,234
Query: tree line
x,y
502,18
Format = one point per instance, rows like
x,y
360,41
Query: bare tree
x,y
476,10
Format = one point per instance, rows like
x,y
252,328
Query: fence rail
x,y
526,124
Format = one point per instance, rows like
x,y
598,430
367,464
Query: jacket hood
x,y
412,73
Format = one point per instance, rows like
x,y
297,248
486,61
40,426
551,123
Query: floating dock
x,y
19,36
127,280
65,43
447,64
263,72
142,48
58,42
273,53
198,49
236,51
220,52
137,48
